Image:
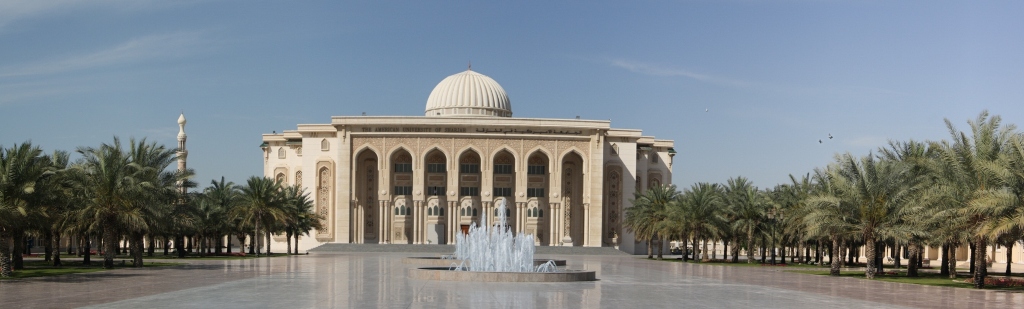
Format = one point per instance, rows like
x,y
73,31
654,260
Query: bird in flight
x,y
830,136
819,141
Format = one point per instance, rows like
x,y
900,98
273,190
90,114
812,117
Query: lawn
x,y
39,268
924,278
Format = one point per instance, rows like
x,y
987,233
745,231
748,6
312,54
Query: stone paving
x,y
378,279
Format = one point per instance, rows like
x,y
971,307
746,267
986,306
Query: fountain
x,y
495,253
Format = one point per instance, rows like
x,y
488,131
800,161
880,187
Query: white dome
x,y
468,94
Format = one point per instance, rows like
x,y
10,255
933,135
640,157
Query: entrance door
x,y
464,228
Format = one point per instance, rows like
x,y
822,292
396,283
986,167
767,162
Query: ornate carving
x,y
324,199
298,179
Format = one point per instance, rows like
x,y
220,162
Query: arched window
x,y
281,153
298,179
325,145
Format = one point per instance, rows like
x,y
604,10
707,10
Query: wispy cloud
x,y
19,92
649,69
160,46
12,11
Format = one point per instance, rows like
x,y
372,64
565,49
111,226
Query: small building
x,y
422,179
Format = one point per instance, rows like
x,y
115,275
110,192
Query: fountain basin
x,y
444,274
439,262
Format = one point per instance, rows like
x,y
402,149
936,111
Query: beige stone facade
x,y
422,179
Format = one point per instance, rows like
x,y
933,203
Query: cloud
x,y
144,48
12,11
648,69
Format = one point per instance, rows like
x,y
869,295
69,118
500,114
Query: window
x,y
280,153
536,170
403,167
435,190
325,145
654,158
436,168
535,192
503,168
535,213
469,168
469,191
502,192
403,190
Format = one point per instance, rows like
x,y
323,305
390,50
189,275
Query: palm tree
x,y
301,219
969,165
648,212
746,204
261,204
697,213
21,168
910,225
106,175
159,190
225,195
829,213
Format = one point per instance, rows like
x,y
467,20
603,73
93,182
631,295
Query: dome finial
x,y
470,67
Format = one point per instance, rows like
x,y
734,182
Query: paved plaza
x,y
378,280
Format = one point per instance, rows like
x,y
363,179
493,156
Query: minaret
x,y
182,152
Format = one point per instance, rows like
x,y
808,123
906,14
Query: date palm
x,y
746,205
21,168
969,165
648,213
260,205
829,212
697,212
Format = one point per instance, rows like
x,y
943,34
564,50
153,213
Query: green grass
x,y
932,279
741,263
39,268
216,257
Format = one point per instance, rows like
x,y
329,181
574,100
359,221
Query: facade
x,y
422,179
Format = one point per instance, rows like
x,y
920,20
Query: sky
x,y
744,88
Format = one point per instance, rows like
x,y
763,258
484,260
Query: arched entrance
x,y
368,217
572,192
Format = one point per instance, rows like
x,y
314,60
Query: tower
x,y
182,153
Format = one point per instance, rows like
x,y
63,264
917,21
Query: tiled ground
x,y
372,280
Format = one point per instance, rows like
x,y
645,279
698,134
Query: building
x,y
421,179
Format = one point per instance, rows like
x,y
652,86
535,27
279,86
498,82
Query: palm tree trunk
x,y
56,249
179,245
255,235
86,250
650,249
869,250
152,245
220,244
47,245
750,244
685,242
109,243
714,249
979,263
896,256
18,258
834,270
137,240
288,247
952,260
296,243
912,264
971,262
1009,257
268,244
736,250
5,254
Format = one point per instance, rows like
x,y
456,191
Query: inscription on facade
x,y
465,130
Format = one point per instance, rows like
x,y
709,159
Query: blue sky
x,y
775,76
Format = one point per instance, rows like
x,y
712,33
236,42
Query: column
x,y
552,224
521,217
